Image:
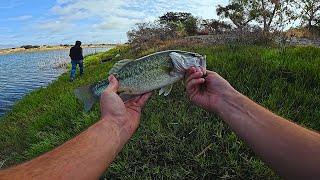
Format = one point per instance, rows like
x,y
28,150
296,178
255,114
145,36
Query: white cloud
x,y
111,19
107,11
20,18
55,26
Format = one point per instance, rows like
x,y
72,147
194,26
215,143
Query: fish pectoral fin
x,y
118,65
161,91
165,90
127,97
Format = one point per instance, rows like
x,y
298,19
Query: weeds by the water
x,y
173,138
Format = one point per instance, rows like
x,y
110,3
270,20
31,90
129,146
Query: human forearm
x,y
84,157
291,150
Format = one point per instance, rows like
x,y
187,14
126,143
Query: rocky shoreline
x,y
49,48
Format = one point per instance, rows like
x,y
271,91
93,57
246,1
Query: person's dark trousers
x,y
74,64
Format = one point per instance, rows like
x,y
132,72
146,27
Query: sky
x,y
91,21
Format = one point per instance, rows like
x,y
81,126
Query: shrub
x,y
212,26
29,47
146,34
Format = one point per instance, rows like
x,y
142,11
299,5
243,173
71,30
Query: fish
x,y
159,70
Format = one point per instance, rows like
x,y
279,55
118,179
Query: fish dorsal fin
x,y
165,90
118,65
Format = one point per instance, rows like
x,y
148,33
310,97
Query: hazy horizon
x,y
8,46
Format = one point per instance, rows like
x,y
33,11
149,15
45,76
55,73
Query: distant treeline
x,y
29,47
62,45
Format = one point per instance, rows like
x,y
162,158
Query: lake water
x,y
23,72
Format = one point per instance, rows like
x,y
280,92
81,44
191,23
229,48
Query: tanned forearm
x,y
85,157
291,150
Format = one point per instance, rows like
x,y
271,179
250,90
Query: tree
x,y
191,26
240,12
173,17
310,12
215,26
272,13
179,21
267,13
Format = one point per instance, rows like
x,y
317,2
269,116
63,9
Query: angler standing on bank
x,y
76,59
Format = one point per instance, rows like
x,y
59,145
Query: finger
x,y
195,82
144,98
191,71
204,71
210,72
113,84
195,75
134,100
137,99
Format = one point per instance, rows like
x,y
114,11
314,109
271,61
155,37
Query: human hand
x,y
124,115
206,88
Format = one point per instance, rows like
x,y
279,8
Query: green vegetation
x,y
175,139
29,47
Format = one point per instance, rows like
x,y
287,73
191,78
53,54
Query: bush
x,y
146,34
175,27
304,32
29,47
212,26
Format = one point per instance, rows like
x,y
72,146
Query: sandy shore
x,y
48,48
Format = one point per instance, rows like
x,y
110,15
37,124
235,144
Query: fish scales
x,y
152,71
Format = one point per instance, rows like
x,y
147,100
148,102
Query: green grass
x,y
173,132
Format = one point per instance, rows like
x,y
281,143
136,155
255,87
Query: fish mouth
x,y
203,60
182,61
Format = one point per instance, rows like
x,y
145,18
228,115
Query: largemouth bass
x,y
156,71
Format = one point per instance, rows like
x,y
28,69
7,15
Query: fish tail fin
x,y
85,95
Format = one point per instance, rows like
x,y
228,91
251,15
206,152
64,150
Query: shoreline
x,y
51,48
59,65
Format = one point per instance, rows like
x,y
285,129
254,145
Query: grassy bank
x,y
175,138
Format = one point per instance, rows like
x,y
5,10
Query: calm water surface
x,y
23,72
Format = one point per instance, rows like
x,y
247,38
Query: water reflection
x,y
23,72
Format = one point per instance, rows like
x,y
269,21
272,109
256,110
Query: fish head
x,y
182,61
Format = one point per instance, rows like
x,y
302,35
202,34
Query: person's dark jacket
x,y
76,53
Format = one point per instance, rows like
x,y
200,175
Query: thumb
x,y
113,84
